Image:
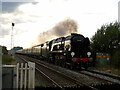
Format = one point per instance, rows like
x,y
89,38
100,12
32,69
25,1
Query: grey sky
x,y
40,17
10,7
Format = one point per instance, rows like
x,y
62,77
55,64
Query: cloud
x,y
11,13
4,31
10,7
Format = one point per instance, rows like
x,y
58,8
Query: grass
x,y
107,69
8,60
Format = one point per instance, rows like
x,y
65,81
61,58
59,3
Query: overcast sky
x,y
32,17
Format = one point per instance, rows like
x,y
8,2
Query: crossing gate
x,y
20,76
26,75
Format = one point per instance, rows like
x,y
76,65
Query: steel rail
x,y
50,79
55,83
105,74
105,80
70,78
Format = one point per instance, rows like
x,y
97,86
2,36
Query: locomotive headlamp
x,y
88,53
72,54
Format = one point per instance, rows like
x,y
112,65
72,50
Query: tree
x,y
4,50
107,40
17,48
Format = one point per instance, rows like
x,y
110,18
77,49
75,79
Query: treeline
x,y
107,40
5,51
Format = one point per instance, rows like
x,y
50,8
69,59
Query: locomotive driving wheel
x,y
63,64
86,65
72,66
56,60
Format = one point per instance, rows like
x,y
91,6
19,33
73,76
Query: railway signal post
x,y
12,38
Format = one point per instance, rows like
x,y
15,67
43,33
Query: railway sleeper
x,y
65,88
107,86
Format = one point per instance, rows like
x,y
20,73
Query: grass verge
x,y
107,69
8,60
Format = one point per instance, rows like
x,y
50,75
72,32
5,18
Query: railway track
x,y
70,82
55,84
69,79
111,79
105,74
100,77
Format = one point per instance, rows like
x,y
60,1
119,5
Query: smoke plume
x,y
61,29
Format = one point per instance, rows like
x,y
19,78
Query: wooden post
x,y
25,77
32,75
29,78
17,75
0,68
21,78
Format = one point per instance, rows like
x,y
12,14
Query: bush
x,y
115,59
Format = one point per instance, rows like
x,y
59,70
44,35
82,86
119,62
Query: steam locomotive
x,y
72,51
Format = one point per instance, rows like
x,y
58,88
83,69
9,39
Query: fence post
x,y
29,78
17,75
21,78
0,68
25,77
31,75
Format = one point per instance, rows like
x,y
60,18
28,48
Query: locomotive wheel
x,y
56,60
63,61
59,62
80,66
56,63
63,64
86,66
72,66
66,66
49,60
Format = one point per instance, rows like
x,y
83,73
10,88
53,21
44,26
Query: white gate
x,y
26,75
